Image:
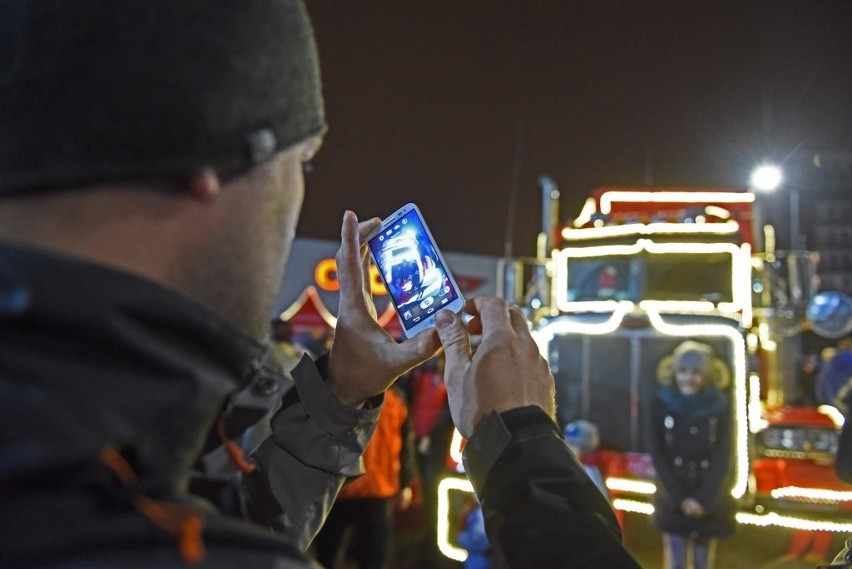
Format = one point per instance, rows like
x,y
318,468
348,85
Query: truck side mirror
x,y
830,314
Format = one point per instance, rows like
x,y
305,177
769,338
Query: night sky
x,y
436,102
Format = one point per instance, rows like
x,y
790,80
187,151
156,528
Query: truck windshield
x,y
675,276
688,277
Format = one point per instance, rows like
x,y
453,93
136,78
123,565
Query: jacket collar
x,y
709,401
91,356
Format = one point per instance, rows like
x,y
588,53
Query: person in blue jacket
x,y
835,374
474,540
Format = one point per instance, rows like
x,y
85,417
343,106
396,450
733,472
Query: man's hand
x,y
365,360
506,372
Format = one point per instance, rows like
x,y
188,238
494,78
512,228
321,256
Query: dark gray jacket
x,y
96,363
540,507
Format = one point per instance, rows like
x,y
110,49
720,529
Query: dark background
x,y
439,101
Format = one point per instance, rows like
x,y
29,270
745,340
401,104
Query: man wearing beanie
x,y
150,186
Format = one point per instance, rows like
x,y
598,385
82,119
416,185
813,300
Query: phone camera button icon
x,y
426,303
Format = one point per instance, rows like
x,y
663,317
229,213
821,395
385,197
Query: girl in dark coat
x,y
690,445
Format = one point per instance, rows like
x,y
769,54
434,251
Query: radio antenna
x,y
513,192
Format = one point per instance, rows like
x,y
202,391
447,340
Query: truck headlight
x,y
797,442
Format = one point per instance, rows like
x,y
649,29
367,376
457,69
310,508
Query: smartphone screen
x,y
413,270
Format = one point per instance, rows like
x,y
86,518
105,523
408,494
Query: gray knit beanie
x,y
94,90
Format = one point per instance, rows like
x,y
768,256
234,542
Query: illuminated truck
x,y
638,272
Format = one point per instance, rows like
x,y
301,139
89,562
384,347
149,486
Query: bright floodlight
x,y
766,178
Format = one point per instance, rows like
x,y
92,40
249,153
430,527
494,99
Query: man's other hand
x,y
365,360
507,370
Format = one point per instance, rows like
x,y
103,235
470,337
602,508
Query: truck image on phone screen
x,y
413,270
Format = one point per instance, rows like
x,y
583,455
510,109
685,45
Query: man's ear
x,y
204,184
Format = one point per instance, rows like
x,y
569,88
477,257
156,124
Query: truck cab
x,y
641,270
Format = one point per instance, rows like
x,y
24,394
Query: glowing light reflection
x,y
834,414
609,198
765,338
456,450
657,228
756,422
717,211
633,506
773,519
628,485
695,306
445,486
545,334
812,494
764,520
310,293
589,208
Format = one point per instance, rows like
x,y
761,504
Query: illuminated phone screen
x,y
411,268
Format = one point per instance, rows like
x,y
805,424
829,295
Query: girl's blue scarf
x,y
708,401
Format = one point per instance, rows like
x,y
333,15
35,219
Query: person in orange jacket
x,y
366,503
